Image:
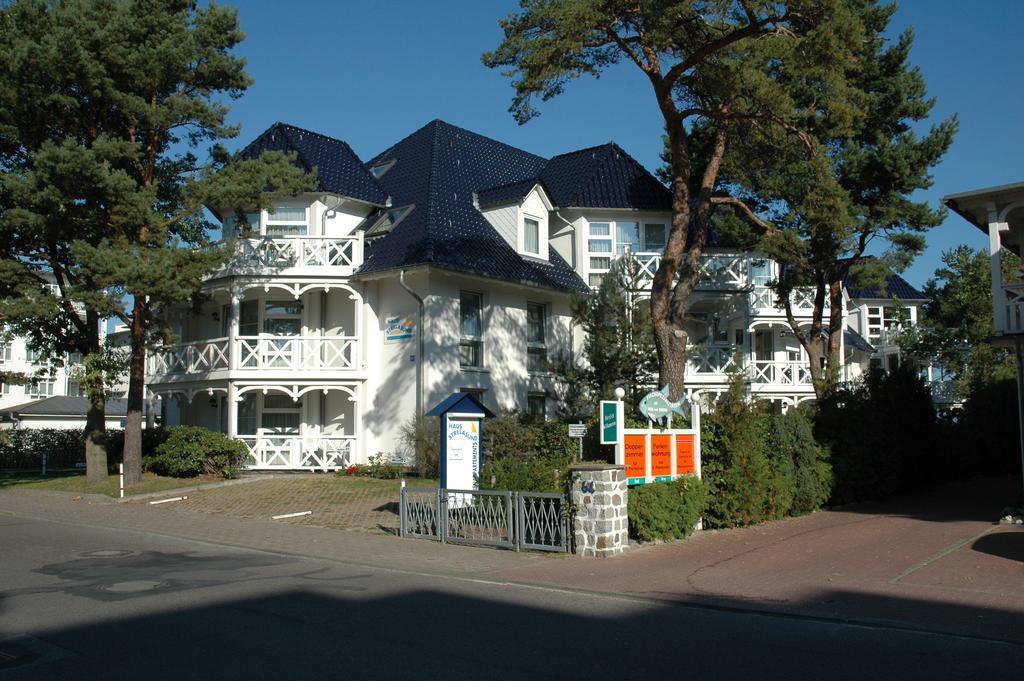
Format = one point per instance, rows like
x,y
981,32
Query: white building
x,y
309,347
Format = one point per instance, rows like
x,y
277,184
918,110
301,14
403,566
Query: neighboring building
x,y
42,378
999,213
307,349
63,412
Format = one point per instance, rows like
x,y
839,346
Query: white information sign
x,y
462,449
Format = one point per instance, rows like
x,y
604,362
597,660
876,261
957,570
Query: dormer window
x,y
389,220
531,236
379,169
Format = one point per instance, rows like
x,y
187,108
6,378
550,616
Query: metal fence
x,y
514,520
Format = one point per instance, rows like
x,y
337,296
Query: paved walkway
x,y
931,561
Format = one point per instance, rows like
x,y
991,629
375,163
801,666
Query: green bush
x,y
985,435
527,457
151,439
421,439
792,440
666,510
380,467
24,448
189,451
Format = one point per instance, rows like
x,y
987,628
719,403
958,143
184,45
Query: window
x,y
471,342
377,170
286,221
599,244
654,237
875,319
531,236
74,358
39,388
389,220
75,389
536,406
5,353
36,356
241,225
282,318
627,237
249,318
536,349
280,415
247,415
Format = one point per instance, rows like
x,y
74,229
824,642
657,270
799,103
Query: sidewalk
x,y
931,561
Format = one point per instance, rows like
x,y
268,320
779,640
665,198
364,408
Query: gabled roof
x,y
603,177
513,192
460,403
339,170
437,168
895,287
852,339
66,405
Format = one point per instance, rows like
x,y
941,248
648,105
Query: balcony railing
x,y
292,452
772,372
299,251
711,359
1013,309
716,271
292,353
198,357
802,298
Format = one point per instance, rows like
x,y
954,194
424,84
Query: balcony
x,y
713,364
1013,309
717,271
336,255
780,373
288,452
257,353
762,299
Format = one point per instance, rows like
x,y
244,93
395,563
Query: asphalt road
x,y
87,602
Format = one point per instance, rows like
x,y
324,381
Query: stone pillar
x,y
600,524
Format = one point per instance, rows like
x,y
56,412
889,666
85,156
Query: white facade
x,y
44,379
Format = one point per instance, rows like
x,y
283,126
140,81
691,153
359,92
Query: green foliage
x,y
666,510
24,448
381,468
619,343
189,451
883,435
523,456
986,432
420,438
792,440
114,440
957,321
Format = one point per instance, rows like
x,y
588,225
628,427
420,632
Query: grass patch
x,y
75,481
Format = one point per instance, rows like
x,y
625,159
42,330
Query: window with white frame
x,y
242,224
246,422
39,388
285,221
875,322
536,346
75,389
531,235
36,356
5,352
281,415
470,330
608,240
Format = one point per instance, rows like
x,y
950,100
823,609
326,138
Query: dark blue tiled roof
x,y
603,177
854,340
339,170
437,169
895,287
514,192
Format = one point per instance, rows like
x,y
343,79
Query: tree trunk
x,y
670,340
96,417
136,387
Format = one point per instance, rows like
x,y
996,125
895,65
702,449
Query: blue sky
x,y
371,72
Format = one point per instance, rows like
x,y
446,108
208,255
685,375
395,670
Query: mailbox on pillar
x,y
461,440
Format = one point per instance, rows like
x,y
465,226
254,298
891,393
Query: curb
x,y
193,488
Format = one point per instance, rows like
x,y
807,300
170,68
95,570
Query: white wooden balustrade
x,y
299,251
268,451
717,271
773,372
295,353
1013,309
196,357
711,359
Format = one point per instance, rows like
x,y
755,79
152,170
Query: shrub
x,y
25,448
189,451
792,439
151,439
528,457
986,432
666,510
420,438
380,467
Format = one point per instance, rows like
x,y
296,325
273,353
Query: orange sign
x,y
661,455
684,454
635,455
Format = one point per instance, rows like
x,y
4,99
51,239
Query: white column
x,y
232,409
996,269
233,334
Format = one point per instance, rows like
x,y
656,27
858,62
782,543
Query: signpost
x,y
657,454
461,436
578,431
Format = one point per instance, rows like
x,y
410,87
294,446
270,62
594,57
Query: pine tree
x,y
718,67
104,106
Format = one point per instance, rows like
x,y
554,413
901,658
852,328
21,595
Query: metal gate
x,y
514,520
